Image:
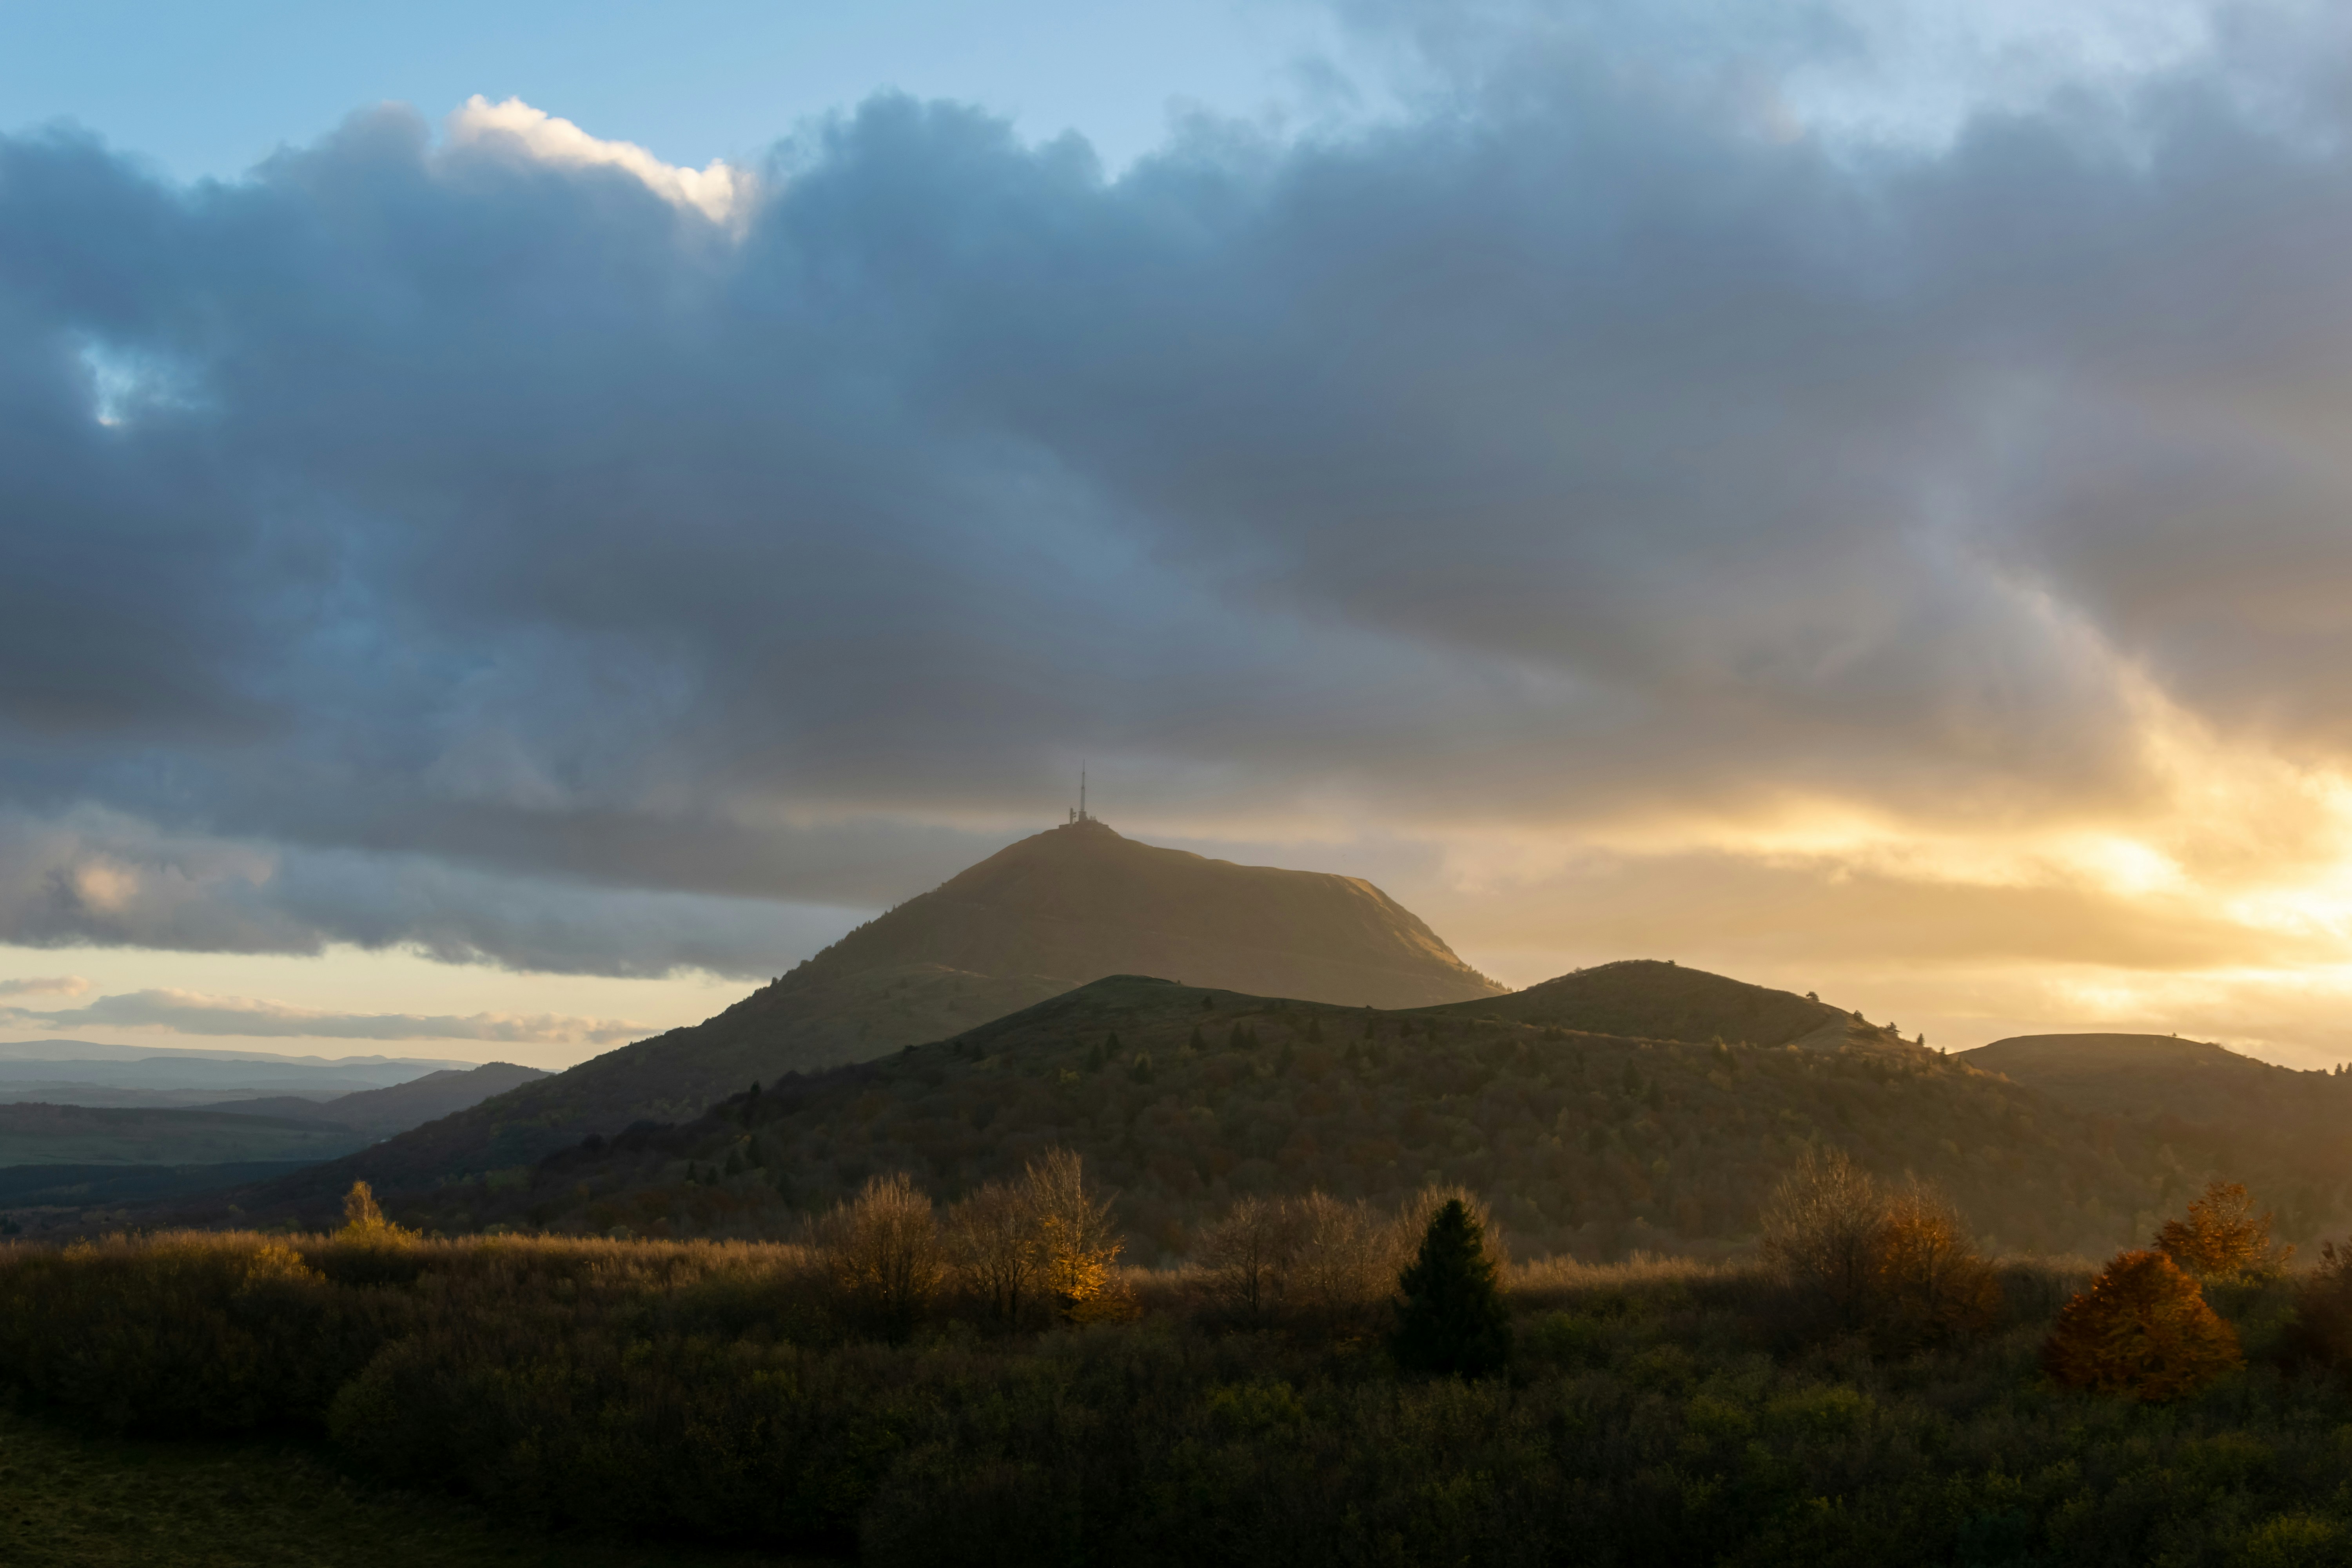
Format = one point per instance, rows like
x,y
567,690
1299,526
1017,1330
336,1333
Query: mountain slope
x,y
1182,1098
1050,912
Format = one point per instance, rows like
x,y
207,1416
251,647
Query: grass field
x,y
71,1501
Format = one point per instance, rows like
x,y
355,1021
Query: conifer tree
x,y
1451,1318
734,1162
1196,1042
1314,1031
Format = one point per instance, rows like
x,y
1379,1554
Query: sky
x,y
522,523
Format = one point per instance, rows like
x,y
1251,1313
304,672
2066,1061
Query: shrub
x,y
1452,1318
2320,1333
2222,1238
2143,1330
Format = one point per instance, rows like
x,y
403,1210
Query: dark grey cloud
x,y
425,542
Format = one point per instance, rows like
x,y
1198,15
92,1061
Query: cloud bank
x,y
495,541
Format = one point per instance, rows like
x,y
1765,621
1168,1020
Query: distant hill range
x,y
1039,918
1182,1098
276,1129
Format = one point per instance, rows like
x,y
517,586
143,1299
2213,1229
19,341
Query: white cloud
x,y
714,191
46,985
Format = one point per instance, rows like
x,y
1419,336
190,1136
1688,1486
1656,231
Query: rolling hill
x,y
1053,912
2281,1131
1182,1098
1659,1000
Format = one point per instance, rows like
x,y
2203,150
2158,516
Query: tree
x,y
1245,1257
364,1222
882,1249
1931,1284
992,1240
1825,1228
2222,1238
1076,1242
1452,1318
2143,1330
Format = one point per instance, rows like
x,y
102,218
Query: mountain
x,y
190,1077
383,1070
1182,1098
1053,912
383,1111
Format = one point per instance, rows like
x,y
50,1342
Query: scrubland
x,y
875,1390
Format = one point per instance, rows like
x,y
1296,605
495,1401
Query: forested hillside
x,y
2283,1129
1184,1099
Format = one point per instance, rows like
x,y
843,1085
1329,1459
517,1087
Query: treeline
x,y
982,1381
1587,1145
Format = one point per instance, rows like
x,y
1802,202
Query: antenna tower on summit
x,y
1081,814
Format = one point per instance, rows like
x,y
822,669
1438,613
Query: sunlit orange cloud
x,y
2217,904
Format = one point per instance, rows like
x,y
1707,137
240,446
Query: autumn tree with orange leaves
x,y
2223,1238
2143,1330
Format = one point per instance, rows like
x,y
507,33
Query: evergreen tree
x,y
1314,1031
1196,1042
1451,1318
734,1162
1098,1056
1237,1040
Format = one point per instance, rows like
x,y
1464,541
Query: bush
x,y
2142,1329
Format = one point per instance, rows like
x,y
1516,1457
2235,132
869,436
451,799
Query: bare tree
x,y
1246,1259
1339,1271
993,1242
1823,1231
882,1249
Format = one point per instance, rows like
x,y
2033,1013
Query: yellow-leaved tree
x,y
1076,1245
364,1222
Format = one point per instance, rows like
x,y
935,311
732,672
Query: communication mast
x,y
1080,813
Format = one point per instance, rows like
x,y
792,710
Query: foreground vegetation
x,y
72,1499
874,1391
